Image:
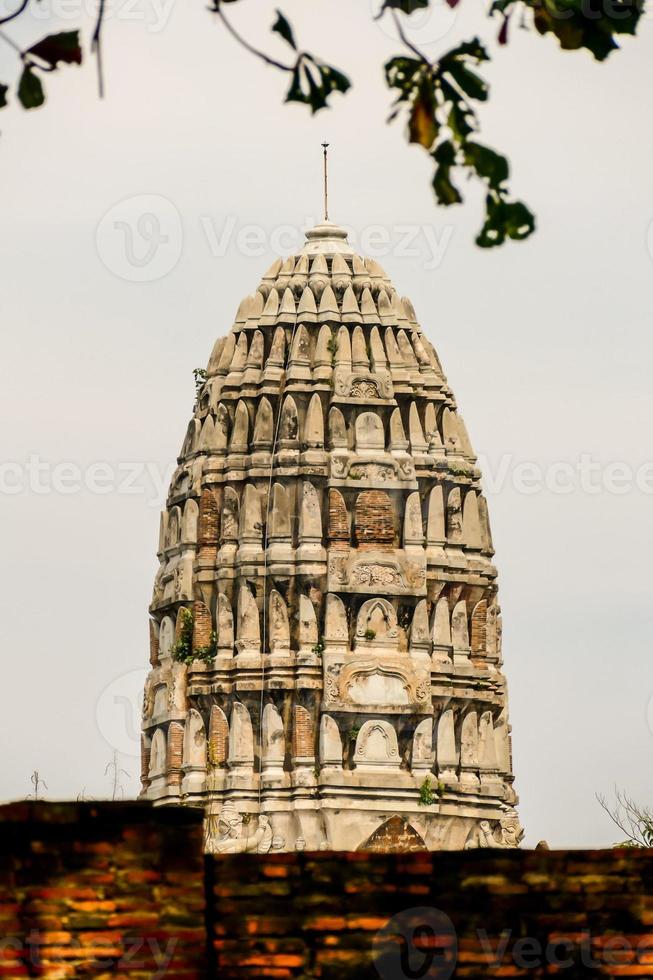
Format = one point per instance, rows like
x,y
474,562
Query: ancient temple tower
x,y
325,633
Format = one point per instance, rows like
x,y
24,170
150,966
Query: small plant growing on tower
x,y
332,347
182,649
318,649
426,795
353,733
369,634
199,376
207,653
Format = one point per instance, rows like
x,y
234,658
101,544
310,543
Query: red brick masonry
x,y
101,890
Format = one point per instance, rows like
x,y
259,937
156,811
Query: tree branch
x,y
405,40
12,44
96,46
16,13
217,9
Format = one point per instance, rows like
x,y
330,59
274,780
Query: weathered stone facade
x,y
326,556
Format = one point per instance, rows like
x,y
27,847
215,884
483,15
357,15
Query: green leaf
x,y
282,27
403,74
312,83
469,49
445,190
459,121
406,6
487,163
471,83
422,124
504,219
62,47
3,95
30,90
576,26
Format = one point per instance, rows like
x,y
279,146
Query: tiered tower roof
x,y
326,640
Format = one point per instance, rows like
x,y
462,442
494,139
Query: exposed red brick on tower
x,y
373,520
175,751
218,747
338,521
154,643
395,834
208,533
145,761
303,739
202,625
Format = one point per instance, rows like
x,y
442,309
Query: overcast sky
x,y
547,345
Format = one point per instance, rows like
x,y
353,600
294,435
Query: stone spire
x,y
325,631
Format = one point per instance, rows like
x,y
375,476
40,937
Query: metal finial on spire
x,y
325,147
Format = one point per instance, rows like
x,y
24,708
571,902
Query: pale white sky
x,y
547,345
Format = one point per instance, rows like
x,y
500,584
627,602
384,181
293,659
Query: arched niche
x,y
376,745
376,625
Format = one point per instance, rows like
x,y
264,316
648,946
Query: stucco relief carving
x,y
358,385
231,832
376,745
382,682
377,573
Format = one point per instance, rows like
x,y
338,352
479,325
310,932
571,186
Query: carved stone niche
x,y
376,676
376,746
376,627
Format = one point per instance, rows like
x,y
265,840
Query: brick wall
x,y
100,890
476,914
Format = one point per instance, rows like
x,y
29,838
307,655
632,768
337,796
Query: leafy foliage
x,y
426,795
439,96
406,6
207,653
182,650
312,81
282,27
442,120
63,47
199,376
30,89
44,56
578,24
